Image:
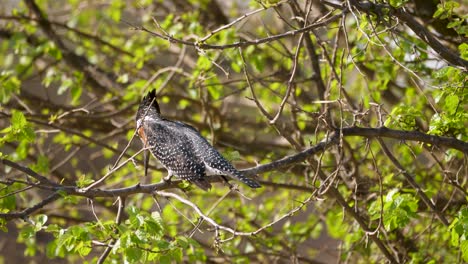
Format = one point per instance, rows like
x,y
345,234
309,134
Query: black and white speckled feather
x,y
181,149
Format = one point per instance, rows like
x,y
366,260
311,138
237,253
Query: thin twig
x,y
28,172
290,81
242,43
103,178
118,220
237,20
229,229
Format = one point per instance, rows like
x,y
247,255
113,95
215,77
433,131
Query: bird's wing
x,y
215,163
172,148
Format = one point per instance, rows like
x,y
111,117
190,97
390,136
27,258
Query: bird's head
x,y
148,107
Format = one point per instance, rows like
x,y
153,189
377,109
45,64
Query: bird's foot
x,y
168,178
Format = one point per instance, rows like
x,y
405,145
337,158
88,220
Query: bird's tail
x,y
250,182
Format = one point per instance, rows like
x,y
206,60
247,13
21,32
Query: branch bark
x,y
26,212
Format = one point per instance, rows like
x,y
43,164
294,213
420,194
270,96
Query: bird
x,y
180,148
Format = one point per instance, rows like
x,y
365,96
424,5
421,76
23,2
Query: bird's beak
x,y
145,160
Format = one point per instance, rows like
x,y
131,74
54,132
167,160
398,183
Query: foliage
x,y
261,82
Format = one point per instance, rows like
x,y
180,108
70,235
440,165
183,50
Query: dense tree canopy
x,y
351,114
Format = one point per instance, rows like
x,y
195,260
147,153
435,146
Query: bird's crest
x,y
148,106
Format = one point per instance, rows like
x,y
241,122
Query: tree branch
x,y
407,135
26,212
29,172
275,165
242,43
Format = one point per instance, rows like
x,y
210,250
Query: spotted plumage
x,y
181,149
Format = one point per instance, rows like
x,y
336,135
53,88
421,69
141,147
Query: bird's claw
x,y
168,178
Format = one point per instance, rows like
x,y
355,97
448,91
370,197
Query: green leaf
x,y
115,10
66,83
42,165
27,232
203,63
398,3
9,85
8,202
53,51
403,117
399,209
183,241
464,249
18,120
76,91
463,48
133,254
85,248
438,13
52,250
84,181
137,85
455,233
451,104
22,150
177,255
165,259
153,225
214,87
335,225
41,219
236,66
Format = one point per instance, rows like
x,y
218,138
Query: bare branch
x,y
243,43
291,79
407,135
28,172
26,212
237,20
229,229
118,220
